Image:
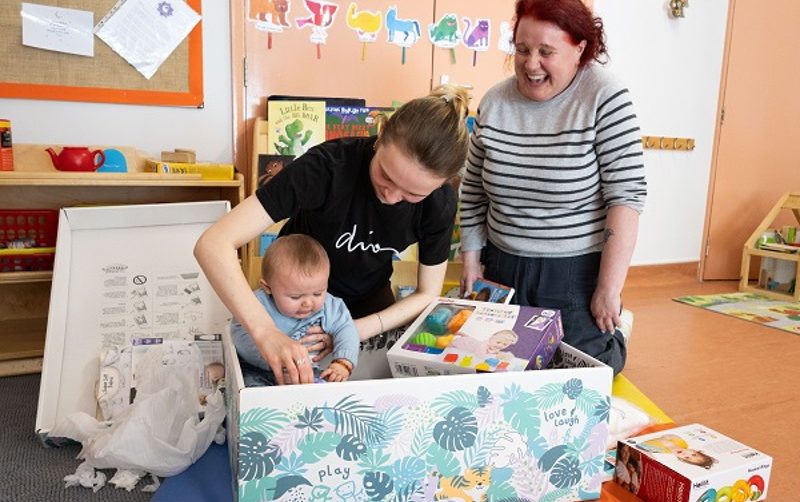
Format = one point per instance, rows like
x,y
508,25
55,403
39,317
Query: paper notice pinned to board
x,y
145,32
57,29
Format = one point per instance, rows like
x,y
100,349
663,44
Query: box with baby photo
x,y
454,336
691,463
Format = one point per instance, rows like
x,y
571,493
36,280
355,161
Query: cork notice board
x,y
34,73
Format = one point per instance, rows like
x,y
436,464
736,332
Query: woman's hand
x,y
287,358
470,271
606,307
316,340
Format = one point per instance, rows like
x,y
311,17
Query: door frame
x,y
705,244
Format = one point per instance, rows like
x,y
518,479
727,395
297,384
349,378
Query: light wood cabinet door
x,y
755,160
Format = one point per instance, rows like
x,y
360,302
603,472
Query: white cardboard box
x,y
691,463
498,337
107,259
534,435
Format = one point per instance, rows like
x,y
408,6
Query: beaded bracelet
x,y
344,363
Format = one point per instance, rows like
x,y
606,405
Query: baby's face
x,y
498,342
298,295
215,373
689,455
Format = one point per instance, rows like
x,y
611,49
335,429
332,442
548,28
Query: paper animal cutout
x,y
322,16
365,23
402,32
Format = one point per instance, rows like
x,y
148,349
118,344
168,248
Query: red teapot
x,y
77,158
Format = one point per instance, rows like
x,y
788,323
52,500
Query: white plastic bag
x,y
161,432
625,420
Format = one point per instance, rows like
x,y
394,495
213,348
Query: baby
x,y
294,283
492,347
676,445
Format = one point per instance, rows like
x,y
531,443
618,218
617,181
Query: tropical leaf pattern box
x,y
514,436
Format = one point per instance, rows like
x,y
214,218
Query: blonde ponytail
x,y
432,130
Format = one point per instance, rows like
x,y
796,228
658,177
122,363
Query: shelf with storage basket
x,y
31,198
778,248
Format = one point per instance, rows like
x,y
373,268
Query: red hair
x,y
572,17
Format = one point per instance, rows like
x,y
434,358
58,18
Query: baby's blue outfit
x,y
334,318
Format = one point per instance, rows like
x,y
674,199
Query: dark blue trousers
x,y
566,284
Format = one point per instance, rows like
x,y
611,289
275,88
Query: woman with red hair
x,y
554,180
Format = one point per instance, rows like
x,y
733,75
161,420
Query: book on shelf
x,y
329,100
294,126
355,121
269,166
206,170
451,289
265,240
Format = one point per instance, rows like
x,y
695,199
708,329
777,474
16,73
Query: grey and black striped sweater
x,y
540,176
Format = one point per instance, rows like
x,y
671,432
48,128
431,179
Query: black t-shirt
x,y
327,194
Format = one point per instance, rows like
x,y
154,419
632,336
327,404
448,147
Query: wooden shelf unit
x,y
790,202
26,295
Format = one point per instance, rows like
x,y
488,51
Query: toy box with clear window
x,y
454,336
691,464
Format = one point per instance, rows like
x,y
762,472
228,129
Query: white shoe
x,y
626,325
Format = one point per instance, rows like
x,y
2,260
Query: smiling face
x,y
546,59
397,178
500,341
297,295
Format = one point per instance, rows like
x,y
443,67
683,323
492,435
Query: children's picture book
x,y
484,290
265,240
355,121
451,289
206,170
328,100
294,126
269,166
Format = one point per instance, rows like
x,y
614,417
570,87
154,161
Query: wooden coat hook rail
x,y
663,143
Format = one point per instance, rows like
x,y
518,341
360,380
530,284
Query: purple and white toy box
x,y
454,336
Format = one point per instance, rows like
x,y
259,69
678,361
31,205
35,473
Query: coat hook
x,y
677,6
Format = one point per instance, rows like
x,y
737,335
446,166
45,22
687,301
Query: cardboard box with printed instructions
x,y
691,463
109,288
454,336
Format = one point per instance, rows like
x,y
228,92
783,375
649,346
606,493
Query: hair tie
x,y
447,98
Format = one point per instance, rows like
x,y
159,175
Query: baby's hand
x,y
338,371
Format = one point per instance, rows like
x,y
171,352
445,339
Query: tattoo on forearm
x,y
607,235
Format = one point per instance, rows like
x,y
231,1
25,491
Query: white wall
x,y
148,128
672,67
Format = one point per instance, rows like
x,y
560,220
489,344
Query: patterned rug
x,y
751,307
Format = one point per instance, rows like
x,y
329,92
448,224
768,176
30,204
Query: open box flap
x,y
102,254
